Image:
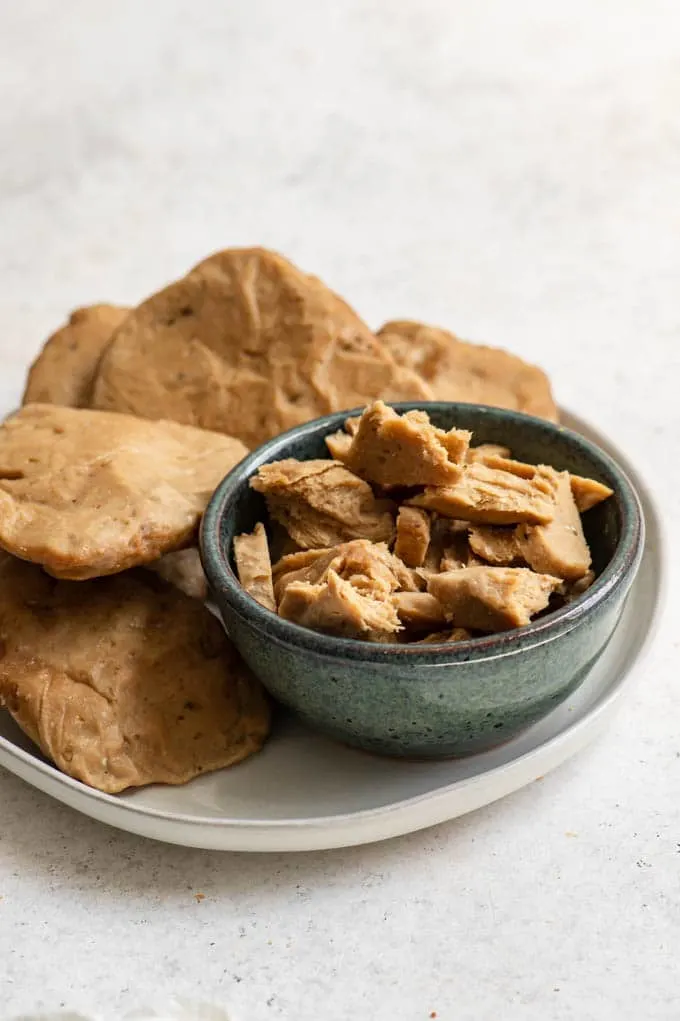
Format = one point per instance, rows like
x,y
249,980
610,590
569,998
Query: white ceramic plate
x,y
303,792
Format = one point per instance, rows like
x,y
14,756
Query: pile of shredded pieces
x,y
408,533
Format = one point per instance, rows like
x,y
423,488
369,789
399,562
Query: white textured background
x,y
509,170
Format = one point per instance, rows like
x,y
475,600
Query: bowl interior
x,y
239,507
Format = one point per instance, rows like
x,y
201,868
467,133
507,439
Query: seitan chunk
x,y
489,496
559,547
419,610
370,566
307,565
413,536
405,450
498,545
300,560
253,564
321,503
339,607
492,598
588,492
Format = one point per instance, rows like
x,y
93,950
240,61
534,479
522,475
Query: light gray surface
x,y
508,170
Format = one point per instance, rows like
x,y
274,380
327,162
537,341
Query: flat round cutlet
x,y
87,493
456,370
124,681
248,345
64,371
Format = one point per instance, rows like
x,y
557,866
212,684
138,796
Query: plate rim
x,y
559,747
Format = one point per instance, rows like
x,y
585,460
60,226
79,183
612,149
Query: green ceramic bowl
x,y
435,700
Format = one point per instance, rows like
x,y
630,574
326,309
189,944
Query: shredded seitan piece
x,y
489,496
413,536
492,598
254,567
366,565
371,566
307,565
339,607
588,492
419,610
498,545
558,548
300,560
321,503
405,450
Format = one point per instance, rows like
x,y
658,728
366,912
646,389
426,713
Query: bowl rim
x,y
222,579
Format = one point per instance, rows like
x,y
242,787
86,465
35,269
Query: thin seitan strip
x,y
321,503
253,565
498,545
509,464
405,450
336,606
486,450
492,598
489,496
413,536
419,610
558,548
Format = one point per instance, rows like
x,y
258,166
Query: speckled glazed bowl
x,y
434,700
